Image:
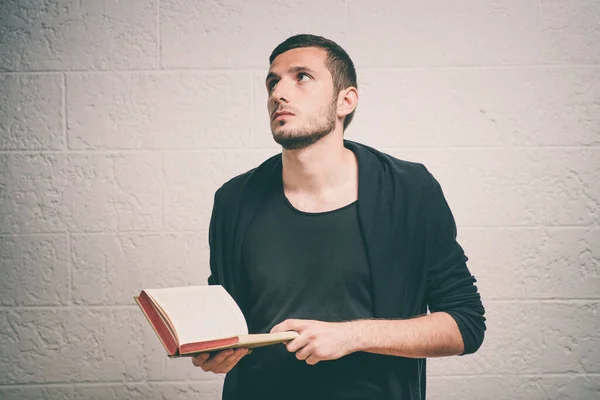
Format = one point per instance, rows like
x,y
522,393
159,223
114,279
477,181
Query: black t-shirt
x,y
306,266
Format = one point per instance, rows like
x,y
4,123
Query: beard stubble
x,y
316,129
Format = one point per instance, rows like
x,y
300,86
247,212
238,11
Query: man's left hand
x,y
319,340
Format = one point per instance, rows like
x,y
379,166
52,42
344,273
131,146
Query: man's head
x,y
311,84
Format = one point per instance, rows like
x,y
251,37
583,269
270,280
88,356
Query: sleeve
x,y
213,278
450,286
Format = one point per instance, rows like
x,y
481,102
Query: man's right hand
x,y
220,362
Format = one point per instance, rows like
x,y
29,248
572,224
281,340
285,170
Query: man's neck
x,y
321,168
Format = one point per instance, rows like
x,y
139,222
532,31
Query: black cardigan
x,y
410,238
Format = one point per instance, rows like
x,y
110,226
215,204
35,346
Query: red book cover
x,y
161,329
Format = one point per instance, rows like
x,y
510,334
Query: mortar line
x,y
69,270
529,376
389,68
162,193
540,361
346,21
105,233
527,227
461,228
71,307
121,306
126,233
64,110
158,36
111,152
83,384
252,104
594,147
392,68
186,382
545,300
36,385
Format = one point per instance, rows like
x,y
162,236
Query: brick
x,y
504,261
196,390
71,34
178,110
46,346
32,194
571,387
571,337
476,107
568,265
570,192
116,392
491,187
570,31
191,179
511,344
441,33
233,34
158,391
485,388
107,392
31,114
534,263
37,393
523,187
34,270
56,192
111,269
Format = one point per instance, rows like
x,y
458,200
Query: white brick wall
x,y
119,119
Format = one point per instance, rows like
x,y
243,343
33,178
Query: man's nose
x,y
281,91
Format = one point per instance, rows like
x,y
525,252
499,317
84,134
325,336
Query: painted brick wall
x,y
119,119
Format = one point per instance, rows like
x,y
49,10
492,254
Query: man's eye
x,y
271,84
302,76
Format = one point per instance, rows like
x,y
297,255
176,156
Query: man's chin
x,y
296,142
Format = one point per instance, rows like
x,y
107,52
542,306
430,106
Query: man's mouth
x,y
282,113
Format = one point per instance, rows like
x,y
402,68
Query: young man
x,y
340,242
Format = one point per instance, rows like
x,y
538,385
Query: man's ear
x,y
347,101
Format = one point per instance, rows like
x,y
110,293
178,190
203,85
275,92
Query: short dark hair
x,y
338,61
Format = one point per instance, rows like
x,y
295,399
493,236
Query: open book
x,y
194,319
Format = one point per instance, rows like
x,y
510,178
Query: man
x,y
340,242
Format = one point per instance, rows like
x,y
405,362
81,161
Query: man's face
x,y
301,104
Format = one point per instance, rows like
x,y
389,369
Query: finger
x,y
312,360
228,363
304,353
281,327
200,359
296,344
216,359
289,325
241,352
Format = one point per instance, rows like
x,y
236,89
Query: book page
x,y
200,313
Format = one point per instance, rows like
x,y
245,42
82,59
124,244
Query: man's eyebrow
x,y
292,70
300,68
